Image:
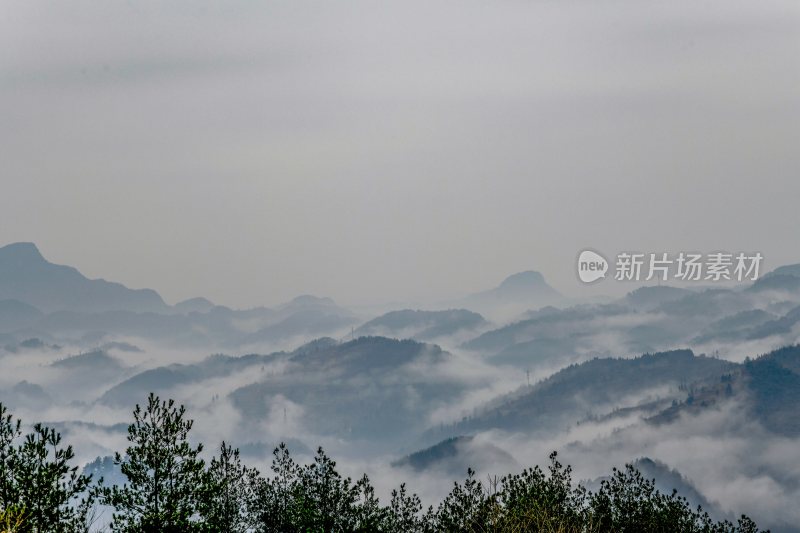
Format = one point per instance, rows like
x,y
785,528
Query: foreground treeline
x,y
171,489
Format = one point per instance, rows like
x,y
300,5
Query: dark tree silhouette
x,y
39,488
167,480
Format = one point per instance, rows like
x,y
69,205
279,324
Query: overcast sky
x,y
374,151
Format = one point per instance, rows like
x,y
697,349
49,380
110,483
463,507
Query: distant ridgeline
x,y
42,299
26,276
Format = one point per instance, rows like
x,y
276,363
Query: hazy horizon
x,y
249,153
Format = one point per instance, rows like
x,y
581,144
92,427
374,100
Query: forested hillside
x,y
166,486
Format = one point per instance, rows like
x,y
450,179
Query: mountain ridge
x,y
26,276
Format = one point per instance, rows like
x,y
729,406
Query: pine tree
x,y
38,485
275,508
466,508
166,478
230,494
10,430
404,512
325,500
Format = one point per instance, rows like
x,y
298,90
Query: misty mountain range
x,y
43,300
488,382
28,277
40,299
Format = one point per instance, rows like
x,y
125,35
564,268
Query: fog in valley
x,y
686,382
357,226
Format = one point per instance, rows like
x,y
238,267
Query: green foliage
x,y
167,480
275,503
403,515
170,489
39,489
230,493
466,508
628,503
534,501
12,520
315,497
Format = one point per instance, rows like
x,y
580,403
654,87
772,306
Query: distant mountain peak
x,y
516,294
22,252
308,299
528,285
25,275
198,304
529,278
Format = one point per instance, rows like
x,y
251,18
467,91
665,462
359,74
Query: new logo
x,y
591,266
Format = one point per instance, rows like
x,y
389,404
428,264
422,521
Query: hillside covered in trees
x,y
168,487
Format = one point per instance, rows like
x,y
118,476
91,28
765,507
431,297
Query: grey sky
x,y
371,151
